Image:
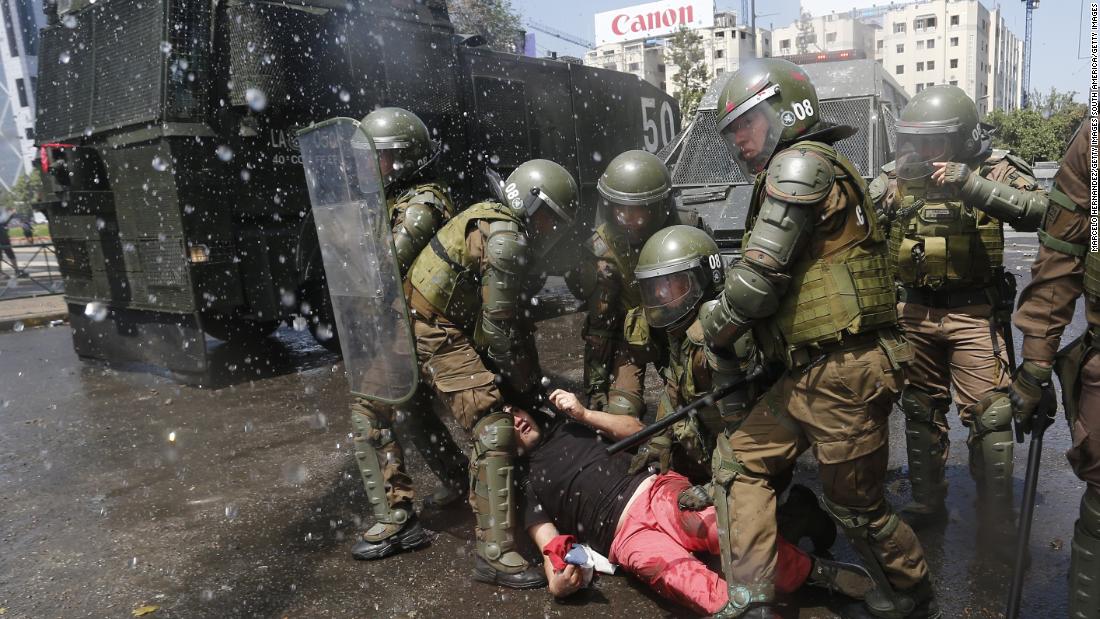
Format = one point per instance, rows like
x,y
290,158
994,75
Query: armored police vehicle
x,y
168,130
859,93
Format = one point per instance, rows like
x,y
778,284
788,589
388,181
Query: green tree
x,y
23,194
1043,130
685,51
495,20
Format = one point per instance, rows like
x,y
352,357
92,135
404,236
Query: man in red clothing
x,y
572,485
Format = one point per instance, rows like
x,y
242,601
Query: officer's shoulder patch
x,y
1020,165
800,176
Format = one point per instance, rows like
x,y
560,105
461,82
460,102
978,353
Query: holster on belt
x,y
1068,364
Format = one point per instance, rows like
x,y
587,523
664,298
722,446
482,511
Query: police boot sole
x,y
368,551
490,576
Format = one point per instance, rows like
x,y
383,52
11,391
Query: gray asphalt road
x,y
121,488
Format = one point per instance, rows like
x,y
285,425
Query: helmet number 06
x,y
802,110
657,132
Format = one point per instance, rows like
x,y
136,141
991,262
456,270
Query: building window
x,y
954,41
611,65
609,52
880,44
743,35
901,48
954,63
633,66
920,66
21,87
660,68
931,44
9,27
29,132
954,82
830,37
920,44
921,24
985,89
954,20
721,34
785,44
920,87
718,71
899,69
929,84
719,53
931,65
899,27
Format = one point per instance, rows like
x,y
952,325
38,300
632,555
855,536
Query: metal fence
x,y
29,269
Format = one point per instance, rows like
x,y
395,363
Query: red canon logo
x,y
642,22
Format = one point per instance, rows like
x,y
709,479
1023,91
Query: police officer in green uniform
x,y
467,295
946,197
813,284
418,206
635,202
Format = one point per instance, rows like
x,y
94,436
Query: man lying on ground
x,y
572,485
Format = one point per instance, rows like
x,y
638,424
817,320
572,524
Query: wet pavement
x,y
121,488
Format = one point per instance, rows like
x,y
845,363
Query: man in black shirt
x,y
574,486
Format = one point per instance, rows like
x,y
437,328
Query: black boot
x,y
843,578
530,578
409,537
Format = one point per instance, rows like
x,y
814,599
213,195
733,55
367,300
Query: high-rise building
x,y
19,60
958,42
824,34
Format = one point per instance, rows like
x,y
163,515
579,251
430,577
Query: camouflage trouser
x,y
838,407
451,373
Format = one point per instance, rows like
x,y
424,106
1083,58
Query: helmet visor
x,y
668,298
918,151
752,137
635,220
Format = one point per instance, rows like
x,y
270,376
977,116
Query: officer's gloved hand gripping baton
x,y
684,411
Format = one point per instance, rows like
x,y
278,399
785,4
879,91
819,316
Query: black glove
x,y
1026,392
658,451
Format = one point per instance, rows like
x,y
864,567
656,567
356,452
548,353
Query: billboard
x,y
653,19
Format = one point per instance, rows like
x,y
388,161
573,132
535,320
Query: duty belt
x,y
808,355
945,299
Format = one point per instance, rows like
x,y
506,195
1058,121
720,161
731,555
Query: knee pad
x,y
919,406
1089,520
494,433
624,403
993,414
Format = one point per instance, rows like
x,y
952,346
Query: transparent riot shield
x,y
349,210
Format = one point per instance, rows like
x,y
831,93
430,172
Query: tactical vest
x,y
957,246
434,195
844,291
445,273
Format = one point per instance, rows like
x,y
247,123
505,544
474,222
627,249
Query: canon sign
x,y
652,20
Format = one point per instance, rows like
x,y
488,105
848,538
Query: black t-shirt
x,y
572,482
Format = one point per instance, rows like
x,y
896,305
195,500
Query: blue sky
x,y
1059,26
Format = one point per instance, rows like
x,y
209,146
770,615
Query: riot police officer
x,y
635,202
814,285
1064,269
946,202
475,352
418,205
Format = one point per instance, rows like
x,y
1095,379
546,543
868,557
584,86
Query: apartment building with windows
x,y
825,33
19,62
958,42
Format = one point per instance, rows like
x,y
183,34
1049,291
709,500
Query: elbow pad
x,y
413,233
1023,210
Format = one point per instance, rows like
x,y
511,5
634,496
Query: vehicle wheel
x,y
235,328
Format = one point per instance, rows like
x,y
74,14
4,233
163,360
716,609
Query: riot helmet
x,y
679,268
766,102
402,141
546,196
939,124
634,194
